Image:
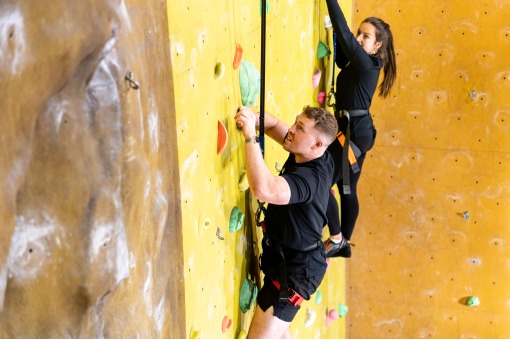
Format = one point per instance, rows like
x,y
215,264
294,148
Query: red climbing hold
x,y
225,325
238,57
222,138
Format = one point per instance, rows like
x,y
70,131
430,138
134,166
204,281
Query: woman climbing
x,y
361,59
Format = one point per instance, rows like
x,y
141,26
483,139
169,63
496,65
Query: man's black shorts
x,y
285,310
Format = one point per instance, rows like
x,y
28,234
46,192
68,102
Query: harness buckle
x,y
292,295
295,298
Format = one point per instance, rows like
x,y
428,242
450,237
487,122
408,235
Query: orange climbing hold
x,y
222,138
225,325
238,57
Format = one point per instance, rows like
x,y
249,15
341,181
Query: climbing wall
x,y
433,230
90,241
219,257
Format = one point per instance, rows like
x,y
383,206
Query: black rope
x,y
262,75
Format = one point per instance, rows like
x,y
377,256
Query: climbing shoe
x,y
342,249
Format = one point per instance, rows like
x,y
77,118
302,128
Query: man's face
x,y
301,136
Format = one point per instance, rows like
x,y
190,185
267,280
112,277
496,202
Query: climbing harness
x,y
350,154
285,292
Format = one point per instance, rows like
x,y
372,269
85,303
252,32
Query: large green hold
x,y
236,220
248,296
249,81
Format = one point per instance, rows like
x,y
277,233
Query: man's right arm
x,y
264,186
273,127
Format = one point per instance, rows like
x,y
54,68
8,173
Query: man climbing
x,y
293,259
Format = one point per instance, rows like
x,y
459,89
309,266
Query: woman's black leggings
x,y
348,203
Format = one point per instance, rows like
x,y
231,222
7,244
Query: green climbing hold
x,y
249,81
248,296
323,50
268,6
236,220
472,301
342,310
318,297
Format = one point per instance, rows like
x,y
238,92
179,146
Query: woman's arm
x,y
345,38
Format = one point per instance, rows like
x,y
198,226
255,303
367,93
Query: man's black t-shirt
x,y
298,224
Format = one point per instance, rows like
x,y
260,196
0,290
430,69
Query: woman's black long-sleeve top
x,y
357,81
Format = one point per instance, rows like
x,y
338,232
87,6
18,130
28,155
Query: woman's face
x,y
367,39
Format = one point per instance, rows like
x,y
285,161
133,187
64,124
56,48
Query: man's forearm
x,y
275,128
264,186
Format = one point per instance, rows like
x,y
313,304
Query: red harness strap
x,y
294,297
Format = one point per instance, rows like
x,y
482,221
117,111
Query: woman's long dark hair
x,y
386,53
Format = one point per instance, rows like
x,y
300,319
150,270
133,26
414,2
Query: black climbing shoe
x,y
342,249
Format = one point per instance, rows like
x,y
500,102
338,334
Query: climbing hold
x,y
195,334
219,70
243,182
331,316
320,97
249,81
318,297
472,301
277,167
242,334
248,295
327,23
309,317
236,220
268,6
466,215
226,323
342,310
218,233
203,224
222,138
238,57
254,203
316,78
323,50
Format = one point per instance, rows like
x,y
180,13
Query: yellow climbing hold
x,y
243,182
203,224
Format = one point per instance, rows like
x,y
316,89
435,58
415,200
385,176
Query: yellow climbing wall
x,y
203,38
442,149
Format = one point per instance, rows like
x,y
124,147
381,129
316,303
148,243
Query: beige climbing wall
x,y
203,38
442,150
90,226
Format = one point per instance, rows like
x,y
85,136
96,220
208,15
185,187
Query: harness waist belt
x,y
357,113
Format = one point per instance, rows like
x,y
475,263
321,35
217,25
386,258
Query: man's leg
x,y
265,325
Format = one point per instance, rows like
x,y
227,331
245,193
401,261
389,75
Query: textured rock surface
x,y
89,198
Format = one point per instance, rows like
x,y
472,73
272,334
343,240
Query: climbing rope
x,y
262,74
261,209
